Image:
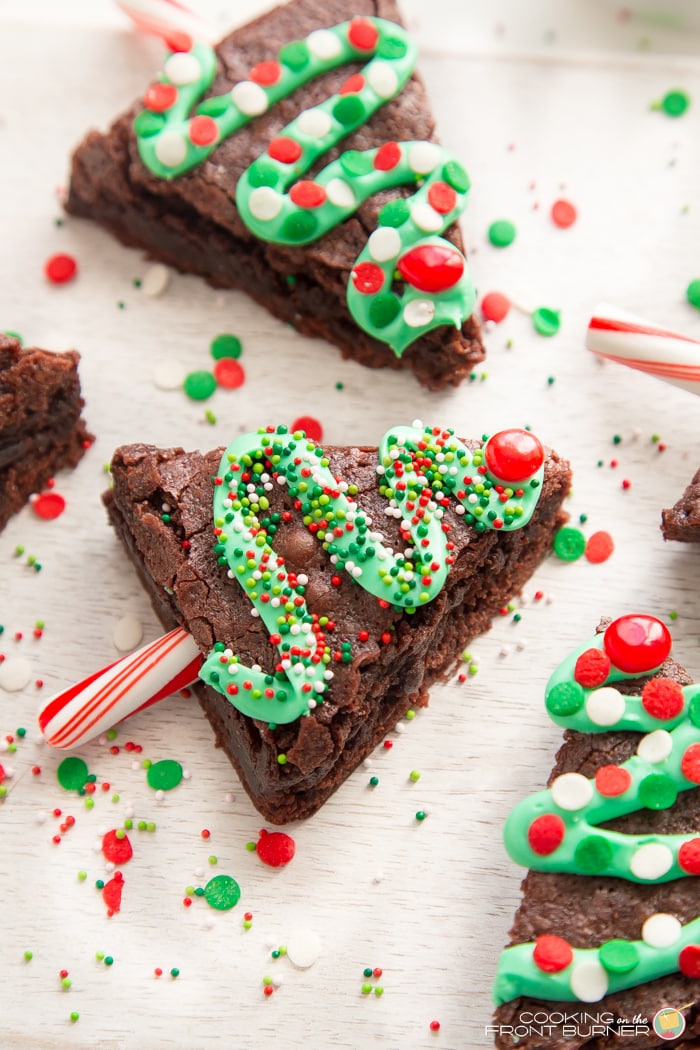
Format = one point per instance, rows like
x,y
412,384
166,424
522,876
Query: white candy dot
x,y
315,123
651,861
127,634
426,218
169,375
384,244
656,746
182,68
661,930
572,791
303,948
418,313
323,44
155,280
423,157
382,79
589,981
340,193
265,203
250,98
171,149
15,673
605,706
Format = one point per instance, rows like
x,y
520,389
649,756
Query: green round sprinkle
x,y
657,791
29,956
373,781
299,226
383,309
414,775
618,956
263,174
199,385
694,711
394,213
146,764
675,103
545,321
569,544
251,846
99,884
199,892
74,1016
410,714
210,417
295,55
128,825
501,233
390,47
111,734
379,990
349,110
82,875
247,924
108,960
222,892
282,949
225,346
354,162
566,698
164,775
593,854
267,980
66,982
583,518
275,953
455,176
367,972
692,293
99,956
215,106
72,773
175,972
421,815
673,615
213,859
151,825
147,123
366,989
120,833
21,732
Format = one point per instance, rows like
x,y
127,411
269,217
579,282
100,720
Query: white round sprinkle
x,y
418,313
315,123
323,44
382,79
127,634
384,244
15,673
303,948
171,149
572,791
250,98
426,218
423,157
155,280
182,68
656,746
340,193
169,375
651,861
265,203
605,706
661,930
589,981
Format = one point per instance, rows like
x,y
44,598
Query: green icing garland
x,y
419,470
555,830
434,286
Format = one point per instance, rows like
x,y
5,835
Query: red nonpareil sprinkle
x,y
205,833
388,744
266,73
367,278
552,954
495,307
662,698
689,857
268,990
546,833
187,901
442,197
434,1026
158,972
203,130
60,268
160,97
353,85
313,430
612,780
563,214
284,150
592,668
689,961
387,156
48,505
307,194
690,763
599,547
229,373
362,34
377,971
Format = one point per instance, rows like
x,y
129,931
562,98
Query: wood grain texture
x,y
430,903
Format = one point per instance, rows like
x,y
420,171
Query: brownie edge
x,y
682,521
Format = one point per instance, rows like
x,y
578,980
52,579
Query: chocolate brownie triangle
x,y
682,520
41,430
376,629
313,130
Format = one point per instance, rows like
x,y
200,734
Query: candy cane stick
x,y
170,20
106,697
619,336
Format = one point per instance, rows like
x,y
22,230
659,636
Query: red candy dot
x,y
689,857
353,85
431,267
689,961
203,131
690,763
362,34
229,373
662,698
442,197
592,668
563,214
434,1026
612,780
637,643
552,954
285,150
48,505
307,194
275,848
545,834
112,893
495,307
117,850
310,425
178,40
60,268
514,455
599,547
387,156
368,278
160,97
266,73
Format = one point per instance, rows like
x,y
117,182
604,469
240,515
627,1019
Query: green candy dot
x,y
225,346
593,854
263,174
618,956
349,110
694,711
15,335
675,103
391,47
222,892
501,233
383,309
147,123
394,213
353,162
295,55
569,544
199,385
299,226
164,775
545,321
692,293
455,176
657,791
72,773
214,106
566,698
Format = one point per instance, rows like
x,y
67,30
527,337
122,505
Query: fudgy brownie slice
x,y
41,429
682,521
192,221
383,657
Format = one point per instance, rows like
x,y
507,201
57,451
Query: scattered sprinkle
x,y
228,373
199,385
599,547
495,307
275,848
546,321
222,892
692,293
569,543
127,633
674,103
501,233
563,214
225,345
48,505
310,425
60,268
164,775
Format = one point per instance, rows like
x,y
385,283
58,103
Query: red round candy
x,y
178,40
431,267
362,34
353,85
689,857
552,954
592,668
637,643
229,373
368,278
442,197
690,763
387,156
275,848
689,961
546,833
563,214
118,850
662,698
514,455
48,505
60,268
203,130
266,73
307,194
160,97
285,150
599,547
612,780
495,306
310,425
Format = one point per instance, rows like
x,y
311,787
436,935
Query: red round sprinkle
x,y
187,901
275,848
626,484
442,197
56,839
690,763
63,974
203,130
368,278
689,961
160,97
637,643
229,373
563,214
362,34
178,40
662,698
434,1026
311,427
599,547
307,194
495,307
353,85
158,972
206,833
387,156
60,268
377,971
689,857
48,505
248,916
285,150
546,833
612,780
592,668
552,954
388,744
266,73
117,850
514,455
268,990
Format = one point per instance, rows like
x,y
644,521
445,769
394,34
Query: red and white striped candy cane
x,y
106,697
170,20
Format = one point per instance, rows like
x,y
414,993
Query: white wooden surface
x,y
429,903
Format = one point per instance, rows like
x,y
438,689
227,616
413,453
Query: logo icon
x,y
669,1023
